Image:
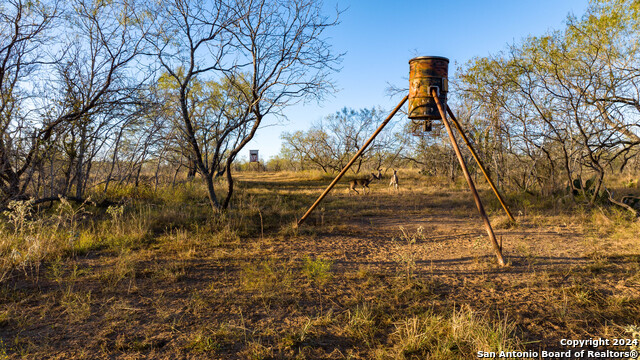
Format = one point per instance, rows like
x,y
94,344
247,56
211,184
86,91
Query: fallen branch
x,y
102,204
621,204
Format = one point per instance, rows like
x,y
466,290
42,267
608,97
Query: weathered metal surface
x,y
426,73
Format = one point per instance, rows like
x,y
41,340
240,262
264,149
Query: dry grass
x,y
384,276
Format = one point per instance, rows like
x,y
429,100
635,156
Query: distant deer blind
x,y
253,155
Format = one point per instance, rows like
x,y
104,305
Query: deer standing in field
x,y
364,183
394,180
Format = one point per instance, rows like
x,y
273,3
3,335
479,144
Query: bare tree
x,y
102,44
63,84
565,104
263,55
331,143
23,33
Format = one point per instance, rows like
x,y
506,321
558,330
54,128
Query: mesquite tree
x,y
65,80
23,32
332,142
263,55
563,105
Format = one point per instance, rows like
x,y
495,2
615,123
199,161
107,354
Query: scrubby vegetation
x,y
389,276
130,227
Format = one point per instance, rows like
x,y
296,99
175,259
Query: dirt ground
x,y
341,286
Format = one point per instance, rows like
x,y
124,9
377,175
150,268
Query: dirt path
x,y
555,281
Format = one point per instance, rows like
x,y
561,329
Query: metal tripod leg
x,y
362,149
476,197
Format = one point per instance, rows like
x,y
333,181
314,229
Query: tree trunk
x,y
80,163
137,179
87,174
192,166
114,159
213,200
52,176
155,186
227,200
596,190
175,175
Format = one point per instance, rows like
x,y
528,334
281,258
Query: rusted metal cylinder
x,y
426,73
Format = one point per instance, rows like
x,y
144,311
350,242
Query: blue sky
x,y
379,38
